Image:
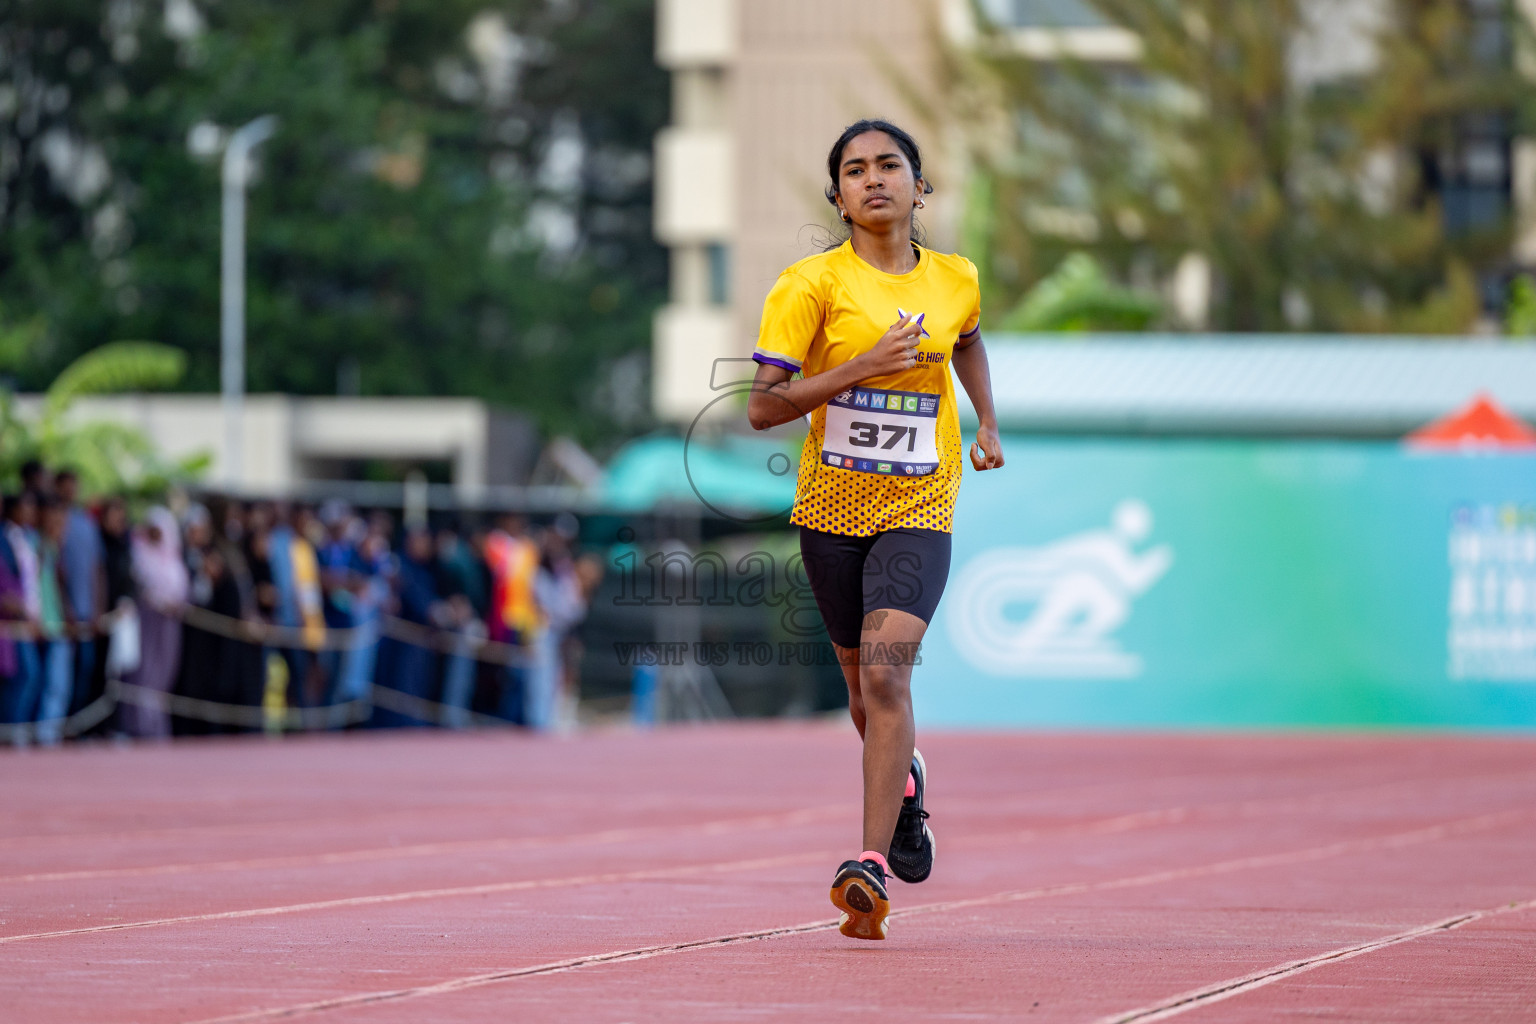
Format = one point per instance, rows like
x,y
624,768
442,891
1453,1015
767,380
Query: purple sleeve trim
x,y
972,331
791,367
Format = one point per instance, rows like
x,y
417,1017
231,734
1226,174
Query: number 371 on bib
x,y
890,433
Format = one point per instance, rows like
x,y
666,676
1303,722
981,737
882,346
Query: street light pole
x,y
232,293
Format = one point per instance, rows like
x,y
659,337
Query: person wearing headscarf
x,y
218,664
162,581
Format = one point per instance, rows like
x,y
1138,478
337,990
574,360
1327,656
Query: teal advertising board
x,y
1189,584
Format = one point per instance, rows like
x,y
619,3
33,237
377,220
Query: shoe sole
x,y
864,911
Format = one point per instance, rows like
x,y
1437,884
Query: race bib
x,y
893,433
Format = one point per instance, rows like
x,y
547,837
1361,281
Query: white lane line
x,y
555,967
1118,824
428,894
1392,841
604,837
1170,815
1221,990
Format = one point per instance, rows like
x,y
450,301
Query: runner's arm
x,y
970,363
776,399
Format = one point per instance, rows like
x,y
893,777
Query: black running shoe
x,y
859,892
911,855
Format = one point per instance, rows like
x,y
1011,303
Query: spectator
x,y
256,548
459,571
161,577
199,648
12,614
259,565
57,621
372,585
404,666
562,604
458,575
219,665
21,541
121,597
308,603
82,561
337,558
515,616
36,479
347,571
117,552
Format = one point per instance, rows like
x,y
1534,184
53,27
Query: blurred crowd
x,y
246,609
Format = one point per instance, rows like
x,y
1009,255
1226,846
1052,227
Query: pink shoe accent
x,y
878,858
911,785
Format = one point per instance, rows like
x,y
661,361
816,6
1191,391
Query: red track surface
x,y
682,876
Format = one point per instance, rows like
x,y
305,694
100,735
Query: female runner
x,y
880,468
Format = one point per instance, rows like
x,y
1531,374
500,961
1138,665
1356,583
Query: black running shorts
x,y
904,569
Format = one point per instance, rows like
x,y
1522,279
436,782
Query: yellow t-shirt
x,y
884,454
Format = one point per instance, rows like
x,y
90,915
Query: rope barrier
x,y
273,714
87,718
247,716
266,634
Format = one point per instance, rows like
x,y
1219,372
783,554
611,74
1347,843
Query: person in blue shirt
x,y
83,566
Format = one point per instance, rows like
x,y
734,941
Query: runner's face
x,y
875,182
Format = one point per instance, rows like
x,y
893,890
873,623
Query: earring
x,y
847,219
920,204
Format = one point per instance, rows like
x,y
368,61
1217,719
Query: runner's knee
x,y
884,687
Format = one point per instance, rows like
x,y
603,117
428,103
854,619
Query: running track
x,y
681,875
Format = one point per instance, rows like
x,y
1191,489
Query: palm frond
x,y
116,366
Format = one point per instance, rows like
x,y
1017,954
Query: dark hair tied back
x,y
904,142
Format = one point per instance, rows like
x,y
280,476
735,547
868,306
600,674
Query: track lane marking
x,y
1396,840
605,837
1222,990
1120,823
1391,841
498,808
489,888
1170,815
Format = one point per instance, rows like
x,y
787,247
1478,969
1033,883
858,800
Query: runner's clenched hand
x,y
988,446
896,350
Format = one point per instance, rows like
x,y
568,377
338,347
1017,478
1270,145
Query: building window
x,y
1473,175
1044,13
718,256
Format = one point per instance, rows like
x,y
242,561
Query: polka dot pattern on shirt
x,y
860,504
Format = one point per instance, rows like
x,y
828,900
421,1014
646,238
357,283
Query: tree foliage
x,y
1078,296
1311,182
1520,313
110,457
456,200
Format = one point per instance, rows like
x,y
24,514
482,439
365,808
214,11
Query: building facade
x,y
292,442
760,88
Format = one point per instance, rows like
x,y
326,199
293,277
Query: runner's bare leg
x,y
848,661
889,644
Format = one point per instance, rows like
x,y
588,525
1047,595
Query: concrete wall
x,y
285,437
